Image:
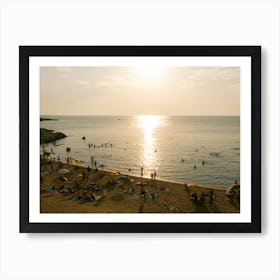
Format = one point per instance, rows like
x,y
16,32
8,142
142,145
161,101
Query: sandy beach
x,y
68,188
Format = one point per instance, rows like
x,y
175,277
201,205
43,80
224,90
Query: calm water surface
x,y
171,145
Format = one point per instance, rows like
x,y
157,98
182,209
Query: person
x,y
194,197
202,197
88,169
142,171
155,174
77,185
152,176
236,185
203,162
58,158
211,196
143,193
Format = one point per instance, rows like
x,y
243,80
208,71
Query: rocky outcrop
x,y
48,136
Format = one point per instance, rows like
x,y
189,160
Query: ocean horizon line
x,y
115,115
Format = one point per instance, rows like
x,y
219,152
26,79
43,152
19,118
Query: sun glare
x,y
150,73
149,123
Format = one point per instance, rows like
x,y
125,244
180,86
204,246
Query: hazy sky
x,y
136,91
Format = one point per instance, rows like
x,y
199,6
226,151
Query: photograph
x,y
146,139
140,138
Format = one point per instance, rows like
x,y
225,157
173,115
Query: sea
x,y
193,149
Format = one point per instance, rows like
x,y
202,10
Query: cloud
x,y
62,69
64,72
219,76
81,83
113,81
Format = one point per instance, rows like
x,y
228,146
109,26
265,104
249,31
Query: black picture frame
x,y
254,52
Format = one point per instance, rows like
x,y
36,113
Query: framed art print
x,y
140,138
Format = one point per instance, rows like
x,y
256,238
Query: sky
x,y
140,90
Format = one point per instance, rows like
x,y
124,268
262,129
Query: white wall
x,y
138,256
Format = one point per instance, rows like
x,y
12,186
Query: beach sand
x,y
111,197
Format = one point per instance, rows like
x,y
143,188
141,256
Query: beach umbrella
x,y
63,171
120,185
123,178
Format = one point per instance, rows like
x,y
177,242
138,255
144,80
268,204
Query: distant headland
x,y
47,119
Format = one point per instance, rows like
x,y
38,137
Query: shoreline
x,y
192,184
167,180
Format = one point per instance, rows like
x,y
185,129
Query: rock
x,y
48,136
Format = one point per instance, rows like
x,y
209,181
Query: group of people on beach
x,y
196,198
153,175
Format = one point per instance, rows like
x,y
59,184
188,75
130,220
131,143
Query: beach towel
x,y
173,207
162,188
63,171
49,189
153,196
62,178
76,161
73,198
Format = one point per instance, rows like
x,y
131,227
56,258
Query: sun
x,y
150,73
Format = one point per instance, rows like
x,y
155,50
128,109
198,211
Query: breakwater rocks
x,y
48,136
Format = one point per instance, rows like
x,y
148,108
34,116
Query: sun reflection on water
x,y
148,124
